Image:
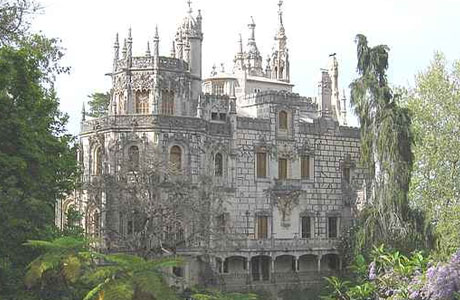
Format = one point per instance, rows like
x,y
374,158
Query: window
x,y
167,102
218,88
218,165
282,168
261,164
306,227
97,165
283,120
332,227
133,157
214,116
222,116
175,158
346,174
142,102
305,167
221,221
262,227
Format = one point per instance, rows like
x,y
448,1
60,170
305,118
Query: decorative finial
x,y
129,34
83,112
173,50
117,44
280,12
147,53
222,67
189,2
123,51
240,43
156,33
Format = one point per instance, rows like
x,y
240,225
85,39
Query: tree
x,y
37,162
15,18
99,104
77,269
386,141
435,185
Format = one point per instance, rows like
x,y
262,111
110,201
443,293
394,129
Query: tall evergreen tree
x,y
386,141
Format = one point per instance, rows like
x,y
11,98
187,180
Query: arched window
x,y
167,102
97,161
133,157
283,120
218,165
175,158
142,102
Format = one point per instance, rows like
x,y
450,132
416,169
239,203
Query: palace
x,y
250,182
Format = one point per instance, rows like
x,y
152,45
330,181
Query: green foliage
x,y
15,16
218,295
386,140
99,104
434,103
37,164
387,275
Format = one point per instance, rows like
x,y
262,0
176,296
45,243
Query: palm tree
x,y
107,276
126,277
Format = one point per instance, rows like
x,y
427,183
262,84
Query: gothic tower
x,y
280,56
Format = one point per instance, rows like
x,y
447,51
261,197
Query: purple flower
x,y
372,271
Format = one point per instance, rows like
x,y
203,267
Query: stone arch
x,y
308,263
283,120
97,160
330,262
235,264
285,263
176,158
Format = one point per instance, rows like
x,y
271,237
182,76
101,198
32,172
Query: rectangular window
x,y
261,164
305,167
221,221
333,227
282,168
346,174
223,116
262,227
306,227
214,116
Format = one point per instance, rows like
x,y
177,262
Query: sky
x,y
413,29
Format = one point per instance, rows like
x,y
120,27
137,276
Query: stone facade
x,y
286,165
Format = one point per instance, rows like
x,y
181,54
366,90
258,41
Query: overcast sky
x,y
413,29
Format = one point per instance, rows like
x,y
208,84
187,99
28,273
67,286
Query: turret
x,y
334,75
147,52
156,43
116,53
280,57
129,45
343,108
253,57
238,61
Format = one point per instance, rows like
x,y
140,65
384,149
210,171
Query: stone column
x,y
319,263
248,270
272,273
296,264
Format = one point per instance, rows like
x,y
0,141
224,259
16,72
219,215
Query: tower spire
x,y
147,52
116,54
189,2
156,43
280,12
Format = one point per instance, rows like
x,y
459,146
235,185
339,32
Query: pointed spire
x,y
156,43
123,51
83,112
116,54
147,52
240,44
129,53
173,50
189,2
280,13
252,27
